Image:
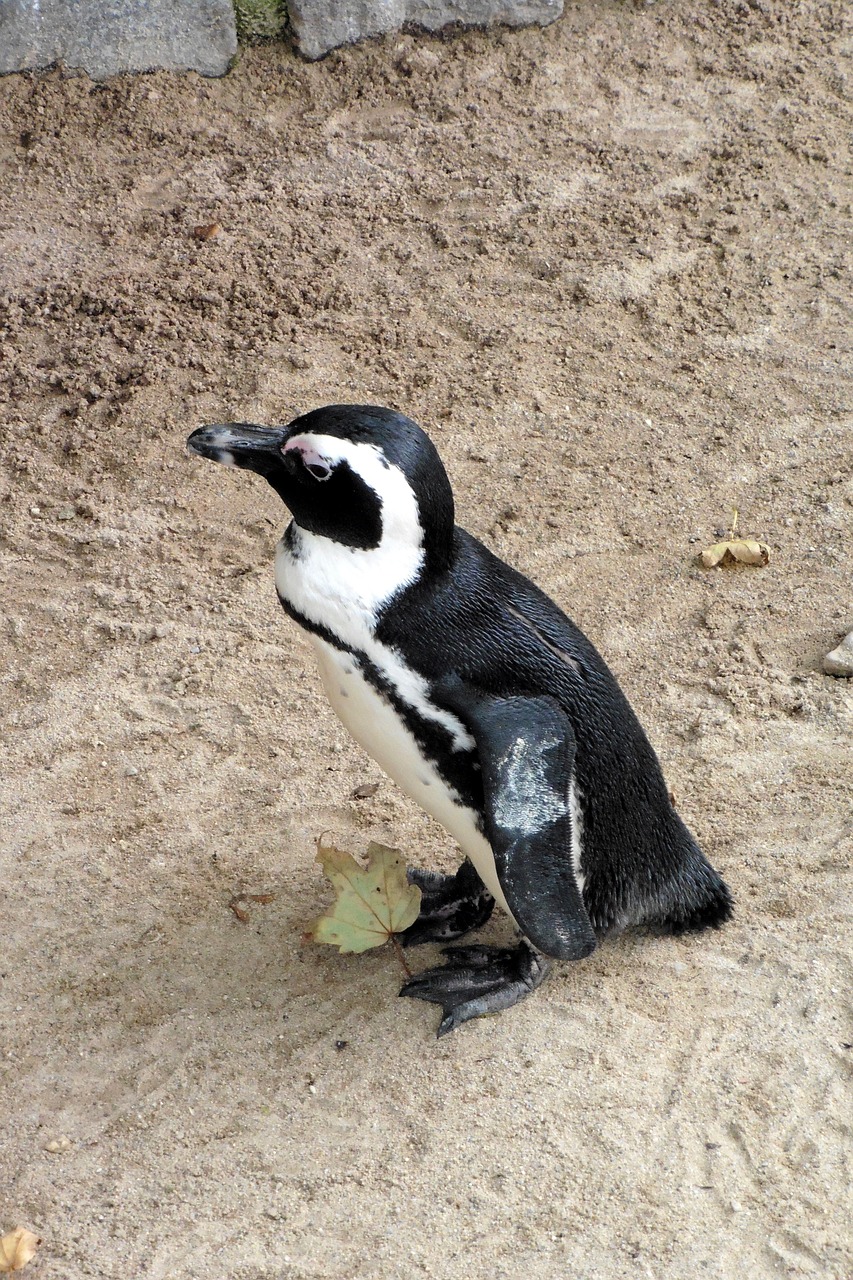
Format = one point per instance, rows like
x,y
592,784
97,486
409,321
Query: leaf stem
x,y
400,956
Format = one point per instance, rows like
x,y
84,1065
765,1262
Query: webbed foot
x,y
450,906
478,980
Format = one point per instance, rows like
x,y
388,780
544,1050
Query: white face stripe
x,y
340,586
343,588
400,519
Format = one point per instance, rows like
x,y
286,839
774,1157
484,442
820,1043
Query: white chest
x,y
374,724
342,590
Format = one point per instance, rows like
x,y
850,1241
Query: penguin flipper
x,y
526,747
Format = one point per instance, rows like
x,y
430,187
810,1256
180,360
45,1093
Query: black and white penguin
x,y
481,699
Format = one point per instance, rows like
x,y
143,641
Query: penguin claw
x,y
450,905
478,980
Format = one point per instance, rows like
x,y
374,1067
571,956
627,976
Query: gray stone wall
x,y
321,25
104,37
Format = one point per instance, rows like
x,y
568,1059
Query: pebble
x,y
840,661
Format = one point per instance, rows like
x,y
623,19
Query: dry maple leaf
x,y
742,550
17,1249
373,902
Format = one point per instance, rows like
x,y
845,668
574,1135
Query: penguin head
x,y
360,475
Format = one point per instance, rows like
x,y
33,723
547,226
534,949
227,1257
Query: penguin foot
x,y
478,980
450,905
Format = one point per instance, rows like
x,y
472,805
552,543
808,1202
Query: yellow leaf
x,y
712,556
745,550
58,1146
17,1249
750,552
372,902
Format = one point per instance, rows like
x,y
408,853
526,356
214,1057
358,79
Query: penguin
x,y
483,701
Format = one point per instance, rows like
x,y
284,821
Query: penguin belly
x,y
377,728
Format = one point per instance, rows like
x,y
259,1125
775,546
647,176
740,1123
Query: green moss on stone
x,y
259,19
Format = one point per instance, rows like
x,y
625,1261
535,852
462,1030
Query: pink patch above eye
x,y
312,459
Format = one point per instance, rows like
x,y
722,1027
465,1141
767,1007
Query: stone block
x,y
103,37
321,25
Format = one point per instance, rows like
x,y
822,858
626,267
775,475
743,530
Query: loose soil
x,y
604,265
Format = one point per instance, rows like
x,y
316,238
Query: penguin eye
x,y
319,470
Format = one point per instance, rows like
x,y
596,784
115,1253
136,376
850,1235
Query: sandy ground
x,y
604,264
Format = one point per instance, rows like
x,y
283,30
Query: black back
x,y
492,627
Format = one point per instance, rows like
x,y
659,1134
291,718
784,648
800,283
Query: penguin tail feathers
x,y
697,898
711,913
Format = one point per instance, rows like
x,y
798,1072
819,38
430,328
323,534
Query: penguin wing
x,y
526,747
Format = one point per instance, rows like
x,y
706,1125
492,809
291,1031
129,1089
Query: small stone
x,y
365,791
840,661
66,513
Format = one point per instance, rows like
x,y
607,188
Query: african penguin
x,y
481,699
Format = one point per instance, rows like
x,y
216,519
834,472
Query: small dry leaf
x,y
365,791
234,904
58,1146
735,549
207,231
744,550
373,902
17,1249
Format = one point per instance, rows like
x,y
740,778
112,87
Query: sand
x,y
604,265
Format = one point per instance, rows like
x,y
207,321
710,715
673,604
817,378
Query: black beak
x,y
239,444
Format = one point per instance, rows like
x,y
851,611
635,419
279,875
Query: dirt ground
x,y
604,265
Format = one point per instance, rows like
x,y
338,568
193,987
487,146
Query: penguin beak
x,y
239,444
